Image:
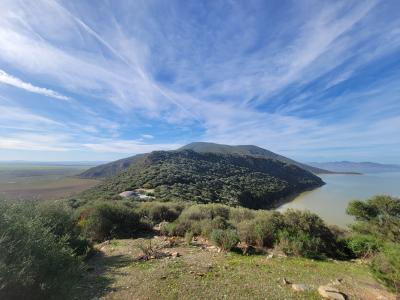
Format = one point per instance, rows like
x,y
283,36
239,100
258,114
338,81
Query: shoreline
x,y
289,198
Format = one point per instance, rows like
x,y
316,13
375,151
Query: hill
x,y
233,179
113,168
360,167
250,150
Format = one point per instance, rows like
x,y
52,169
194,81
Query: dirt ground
x,y
201,272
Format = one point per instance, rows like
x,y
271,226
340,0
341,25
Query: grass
x,y
202,274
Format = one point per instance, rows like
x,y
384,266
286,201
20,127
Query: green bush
x,y
205,211
386,266
226,239
63,223
201,220
158,212
363,245
239,214
168,229
378,216
35,263
106,221
188,237
306,234
378,225
300,244
262,230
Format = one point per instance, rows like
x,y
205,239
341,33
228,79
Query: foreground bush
x,y
306,234
379,216
157,212
35,263
226,239
363,246
262,230
63,223
110,220
386,266
378,227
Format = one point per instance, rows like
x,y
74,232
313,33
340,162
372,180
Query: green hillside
x,y
252,150
113,168
232,179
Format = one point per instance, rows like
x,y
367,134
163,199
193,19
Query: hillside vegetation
x,y
232,179
113,168
46,251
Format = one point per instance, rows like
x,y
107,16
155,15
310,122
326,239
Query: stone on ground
x,y
331,293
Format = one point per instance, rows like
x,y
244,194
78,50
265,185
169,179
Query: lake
x,y
330,201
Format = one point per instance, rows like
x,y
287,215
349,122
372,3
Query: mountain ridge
x,y
232,179
360,167
113,168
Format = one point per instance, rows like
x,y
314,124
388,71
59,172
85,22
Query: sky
x,y
101,80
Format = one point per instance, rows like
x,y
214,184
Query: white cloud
x,y
19,117
33,142
127,146
18,83
219,79
147,136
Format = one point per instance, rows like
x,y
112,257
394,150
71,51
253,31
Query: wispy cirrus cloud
x,y
295,77
18,83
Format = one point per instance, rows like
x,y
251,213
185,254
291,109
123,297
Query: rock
x,y
337,281
128,194
300,287
329,292
175,254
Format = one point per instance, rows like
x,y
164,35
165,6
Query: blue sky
x,y
101,80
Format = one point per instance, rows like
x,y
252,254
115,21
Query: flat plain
x,y
26,181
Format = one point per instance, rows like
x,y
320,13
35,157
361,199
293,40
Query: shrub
x,y
386,266
378,216
205,211
307,235
35,263
262,230
150,250
246,232
226,239
300,244
168,229
201,219
158,212
106,221
188,237
239,214
62,222
378,227
363,245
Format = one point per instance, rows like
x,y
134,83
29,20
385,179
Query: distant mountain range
x,y
203,172
113,168
360,167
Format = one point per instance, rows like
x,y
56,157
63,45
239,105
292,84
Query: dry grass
x,y
204,274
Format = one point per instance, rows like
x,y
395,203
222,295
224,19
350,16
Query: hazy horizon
x,y
310,80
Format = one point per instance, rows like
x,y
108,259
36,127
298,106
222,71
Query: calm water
x,y
330,201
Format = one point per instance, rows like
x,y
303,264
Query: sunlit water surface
x,y
330,201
